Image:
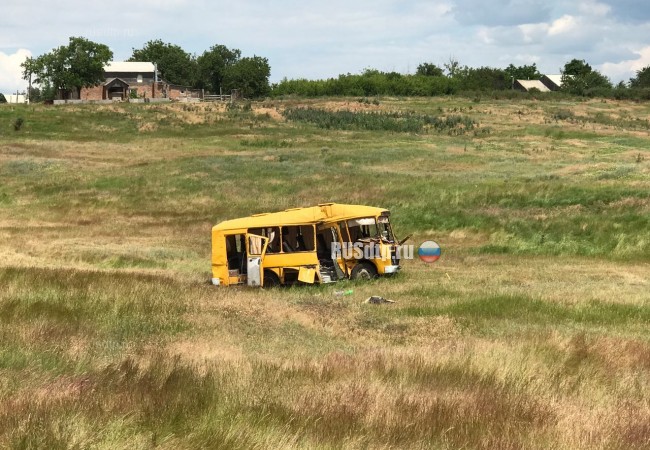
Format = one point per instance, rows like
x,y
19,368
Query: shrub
x,y
18,123
408,122
563,114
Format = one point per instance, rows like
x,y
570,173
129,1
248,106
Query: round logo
x,y
429,251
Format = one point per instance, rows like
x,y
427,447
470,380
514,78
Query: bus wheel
x,y
363,271
271,280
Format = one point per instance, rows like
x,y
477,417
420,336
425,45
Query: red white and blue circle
x,y
429,251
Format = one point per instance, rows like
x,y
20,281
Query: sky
x,y
308,39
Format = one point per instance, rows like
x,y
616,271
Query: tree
x,y
452,67
577,68
642,79
36,94
175,65
69,68
579,78
523,72
429,70
250,76
212,66
2,98
483,79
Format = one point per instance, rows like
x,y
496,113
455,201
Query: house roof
x,y
115,81
555,79
326,212
128,66
533,84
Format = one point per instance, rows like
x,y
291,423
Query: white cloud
x,y
10,71
594,8
628,68
533,32
563,25
302,39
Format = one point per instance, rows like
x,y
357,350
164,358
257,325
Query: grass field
x,y
530,332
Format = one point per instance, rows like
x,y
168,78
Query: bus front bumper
x,y
391,269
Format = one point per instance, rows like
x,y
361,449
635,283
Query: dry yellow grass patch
x,y
112,336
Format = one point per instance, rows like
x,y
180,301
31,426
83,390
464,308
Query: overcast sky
x,y
323,39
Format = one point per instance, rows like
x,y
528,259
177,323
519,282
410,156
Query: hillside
x,y
531,331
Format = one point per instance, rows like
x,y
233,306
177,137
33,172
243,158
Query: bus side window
x,y
305,238
273,233
288,240
274,239
298,238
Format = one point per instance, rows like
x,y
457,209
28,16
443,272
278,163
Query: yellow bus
x,y
318,244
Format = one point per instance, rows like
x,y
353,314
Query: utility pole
x,y
155,80
29,90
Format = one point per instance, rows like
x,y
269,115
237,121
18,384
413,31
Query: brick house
x,y
125,80
121,79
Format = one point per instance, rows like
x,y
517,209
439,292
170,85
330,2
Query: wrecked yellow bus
x,y
318,244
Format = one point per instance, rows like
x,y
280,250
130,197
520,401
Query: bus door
x,y
348,240
347,255
327,235
255,251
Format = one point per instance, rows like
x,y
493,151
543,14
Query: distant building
x,y
123,80
552,82
16,98
527,85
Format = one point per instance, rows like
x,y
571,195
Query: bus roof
x,y
324,212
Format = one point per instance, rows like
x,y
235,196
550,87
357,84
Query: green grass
x,y
533,311
102,306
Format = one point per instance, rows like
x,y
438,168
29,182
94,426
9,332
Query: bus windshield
x,y
370,228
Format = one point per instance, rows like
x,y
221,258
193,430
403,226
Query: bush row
x,y
477,82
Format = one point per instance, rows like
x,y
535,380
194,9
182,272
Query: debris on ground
x,y
339,293
375,299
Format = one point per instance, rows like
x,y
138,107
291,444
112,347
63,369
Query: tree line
x,y
578,78
80,64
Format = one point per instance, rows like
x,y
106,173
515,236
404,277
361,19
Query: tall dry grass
x,y
530,332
